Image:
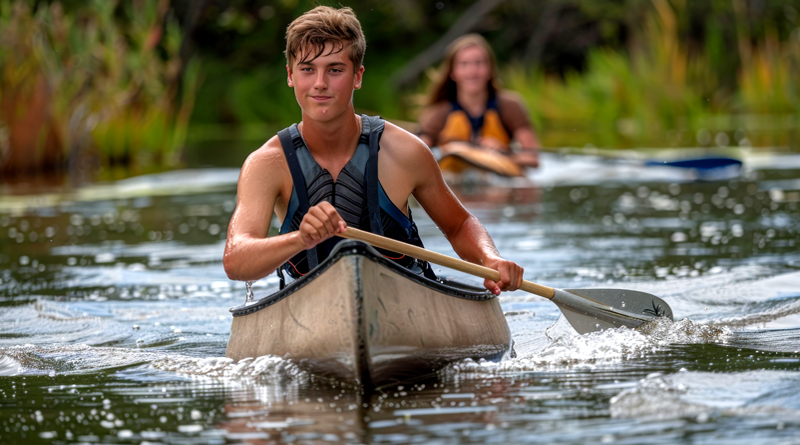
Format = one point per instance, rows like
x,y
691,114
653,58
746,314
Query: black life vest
x,y
357,195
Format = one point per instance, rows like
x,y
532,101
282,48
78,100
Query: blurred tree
x,y
406,37
91,81
732,54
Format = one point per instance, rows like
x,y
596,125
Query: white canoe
x,y
361,319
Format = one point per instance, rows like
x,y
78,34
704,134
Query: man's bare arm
x,y
249,253
465,232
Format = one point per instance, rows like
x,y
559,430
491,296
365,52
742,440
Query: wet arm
x,y
463,230
249,253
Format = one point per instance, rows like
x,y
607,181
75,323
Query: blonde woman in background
x,y
466,105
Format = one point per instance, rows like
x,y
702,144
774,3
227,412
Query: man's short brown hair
x,y
307,35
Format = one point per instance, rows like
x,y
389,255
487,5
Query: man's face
x,y
324,86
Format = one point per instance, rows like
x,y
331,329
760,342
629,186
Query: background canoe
x,y
460,156
361,319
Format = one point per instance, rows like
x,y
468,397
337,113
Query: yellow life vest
x,y
461,127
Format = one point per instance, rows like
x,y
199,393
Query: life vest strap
x,y
375,130
290,146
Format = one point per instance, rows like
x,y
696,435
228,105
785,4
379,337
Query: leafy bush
x,y
102,83
663,94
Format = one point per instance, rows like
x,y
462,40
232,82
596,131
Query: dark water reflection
x,y
114,318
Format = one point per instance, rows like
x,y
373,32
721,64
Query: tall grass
x,y
102,84
662,94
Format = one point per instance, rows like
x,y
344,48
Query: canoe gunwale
x,y
352,247
361,319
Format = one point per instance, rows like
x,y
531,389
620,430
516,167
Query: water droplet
x,y
249,286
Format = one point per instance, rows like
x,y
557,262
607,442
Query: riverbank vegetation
x,y
664,90
148,84
96,86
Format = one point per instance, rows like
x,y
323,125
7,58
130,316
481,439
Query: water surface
x,y
114,317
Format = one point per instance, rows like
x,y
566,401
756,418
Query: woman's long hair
x,y
444,88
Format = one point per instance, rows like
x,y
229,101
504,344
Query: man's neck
x,y
332,143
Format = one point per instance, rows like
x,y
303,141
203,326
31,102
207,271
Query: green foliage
x,y
664,94
113,77
107,77
611,73
245,67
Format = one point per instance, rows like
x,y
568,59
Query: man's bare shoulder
x,y
402,143
266,156
265,166
405,164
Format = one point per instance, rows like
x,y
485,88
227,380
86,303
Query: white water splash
x,y
82,358
701,395
567,348
9,366
267,365
73,359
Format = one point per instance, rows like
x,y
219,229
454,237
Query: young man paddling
x,y
336,169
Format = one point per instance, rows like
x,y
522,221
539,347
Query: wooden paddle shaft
x,y
440,259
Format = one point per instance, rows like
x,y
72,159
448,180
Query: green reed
x,y
103,85
660,93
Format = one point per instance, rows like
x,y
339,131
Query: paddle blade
x,y
590,310
700,163
707,169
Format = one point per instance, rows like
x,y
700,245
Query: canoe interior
x,y
361,319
